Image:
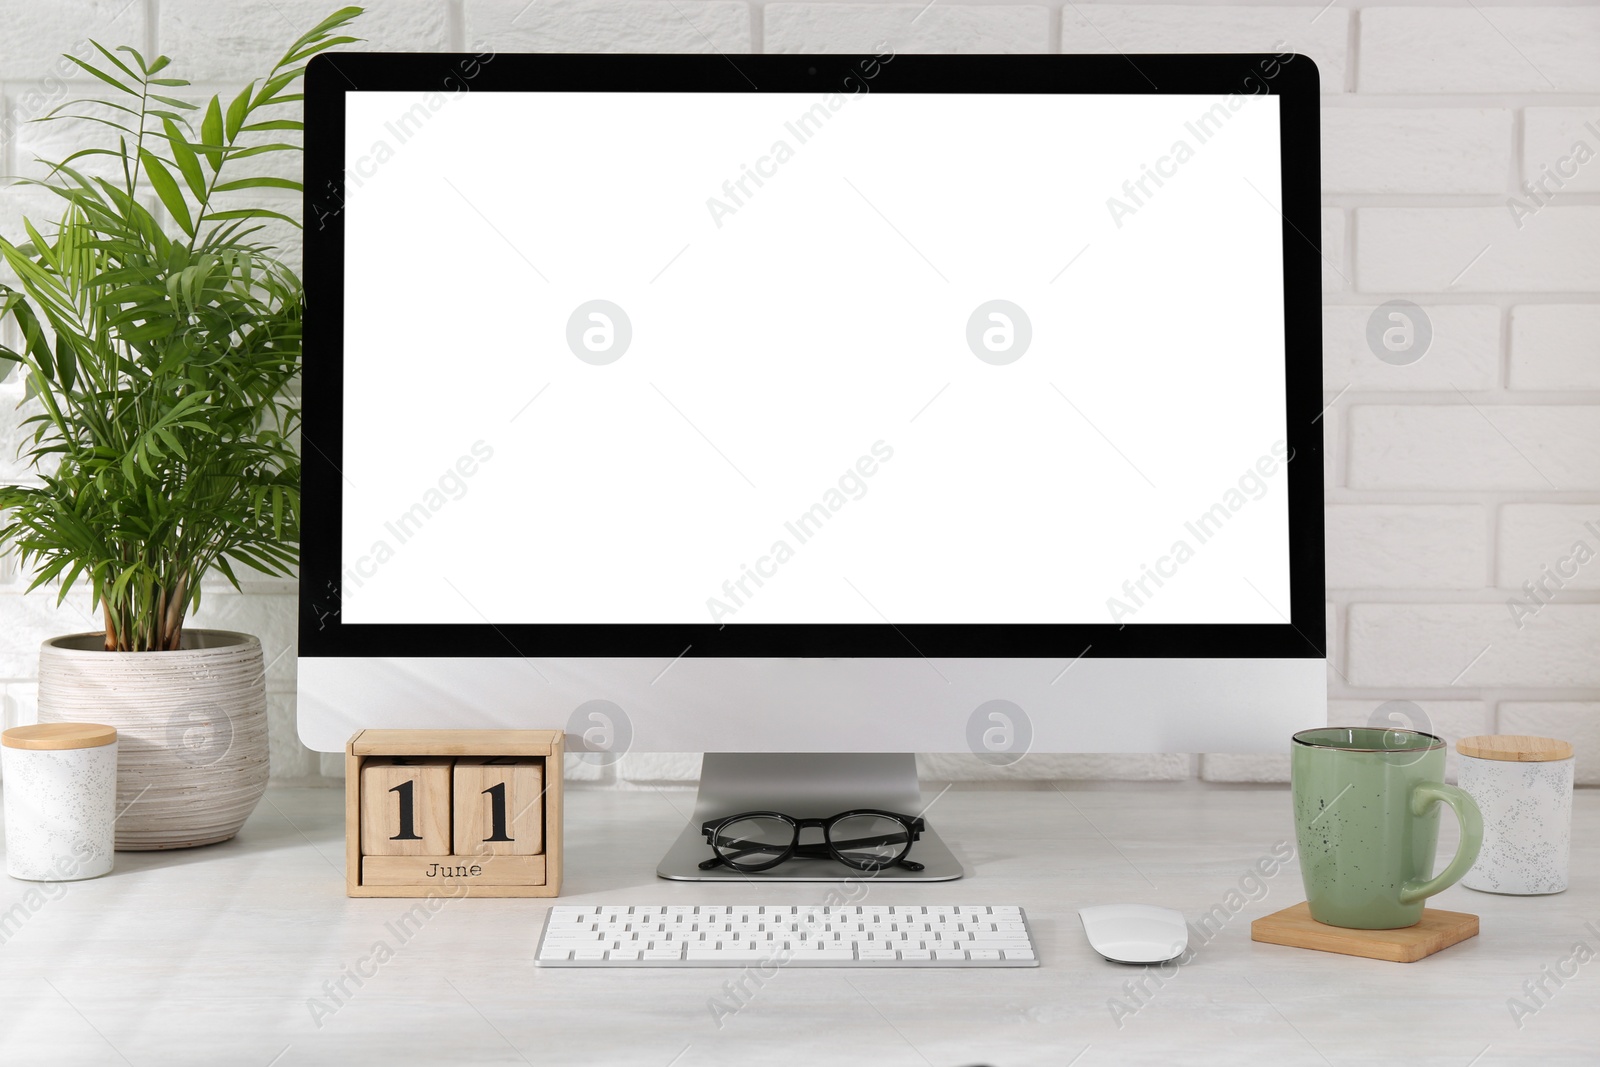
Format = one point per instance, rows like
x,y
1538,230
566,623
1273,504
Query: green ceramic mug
x,y
1366,814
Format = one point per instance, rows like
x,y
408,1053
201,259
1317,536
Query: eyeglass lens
x,y
869,841
753,842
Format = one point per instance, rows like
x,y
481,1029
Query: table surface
x,y
248,953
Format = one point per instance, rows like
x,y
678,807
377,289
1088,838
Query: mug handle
x,y
1423,798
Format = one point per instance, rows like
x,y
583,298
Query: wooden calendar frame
x,y
545,744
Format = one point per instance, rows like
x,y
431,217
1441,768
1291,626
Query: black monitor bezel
x,y
330,77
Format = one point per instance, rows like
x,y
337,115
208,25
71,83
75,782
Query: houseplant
x,y
159,361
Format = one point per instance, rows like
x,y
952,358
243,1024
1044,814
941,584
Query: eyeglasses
x,y
866,839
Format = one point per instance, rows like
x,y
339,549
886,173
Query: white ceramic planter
x,y
191,725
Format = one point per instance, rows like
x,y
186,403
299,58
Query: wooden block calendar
x,y
453,812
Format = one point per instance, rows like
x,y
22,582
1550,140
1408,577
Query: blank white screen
x,y
784,331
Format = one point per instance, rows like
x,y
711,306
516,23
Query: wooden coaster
x,y
1296,928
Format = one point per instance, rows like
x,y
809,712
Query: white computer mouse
x,y
1135,933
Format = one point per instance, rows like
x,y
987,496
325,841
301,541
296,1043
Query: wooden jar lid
x,y
59,735
1515,748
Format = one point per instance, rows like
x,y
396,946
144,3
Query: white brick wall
x,y
36,34
1555,346
1472,48
918,27
228,42
609,25
1551,140
1335,263
1475,445
1464,353
1406,546
1478,249
1452,481
1474,646
1416,149
1538,541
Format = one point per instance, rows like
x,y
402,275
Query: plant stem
x,y
173,634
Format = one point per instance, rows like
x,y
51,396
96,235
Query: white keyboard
x,y
804,936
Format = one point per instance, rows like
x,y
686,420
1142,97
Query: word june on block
x,y
405,806
498,808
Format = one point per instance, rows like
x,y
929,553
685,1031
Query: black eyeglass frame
x,y
913,824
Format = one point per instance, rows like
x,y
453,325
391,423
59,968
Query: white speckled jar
x,y
61,800
1523,787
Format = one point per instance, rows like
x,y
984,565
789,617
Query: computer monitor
x,y
813,411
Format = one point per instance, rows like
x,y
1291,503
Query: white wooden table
x,y
248,953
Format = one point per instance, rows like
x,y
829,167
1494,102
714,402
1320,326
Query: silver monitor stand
x,y
807,785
